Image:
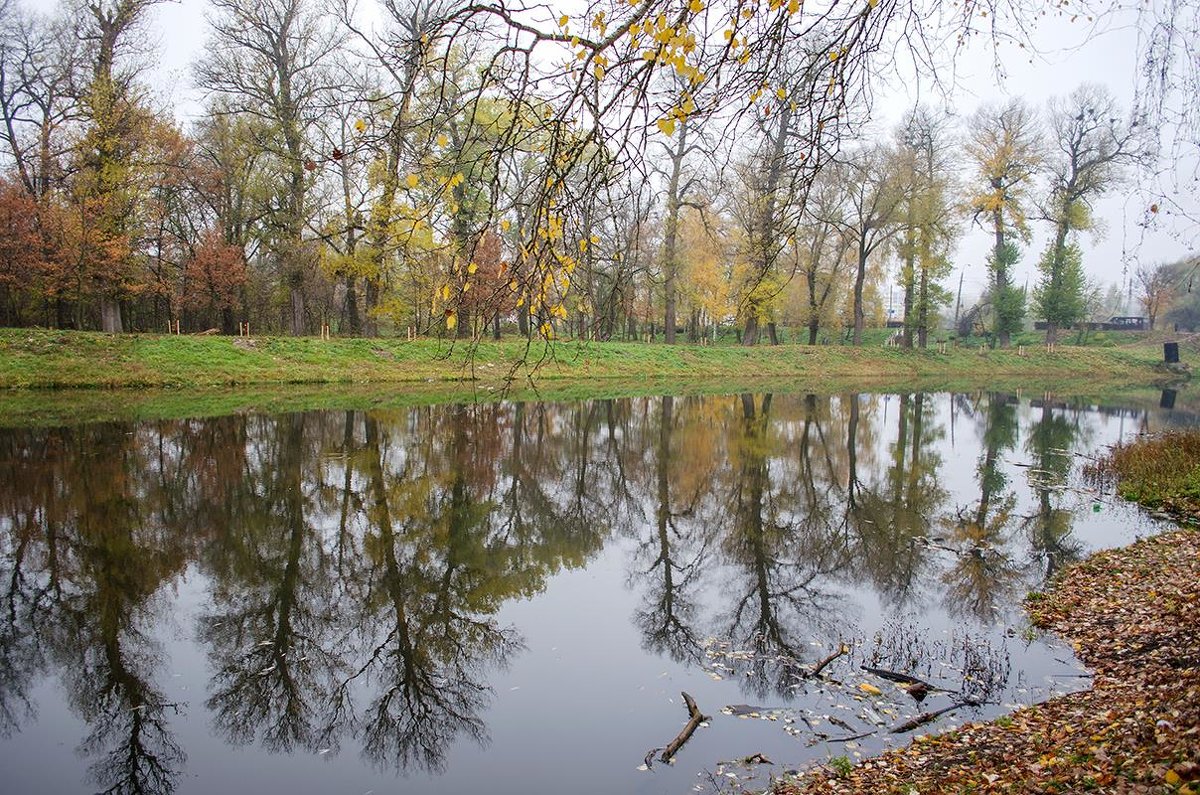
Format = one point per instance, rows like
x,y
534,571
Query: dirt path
x,y
1134,616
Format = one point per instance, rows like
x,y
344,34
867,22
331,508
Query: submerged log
x,y
926,717
917,688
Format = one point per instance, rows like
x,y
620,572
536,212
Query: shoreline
x,y
1131,614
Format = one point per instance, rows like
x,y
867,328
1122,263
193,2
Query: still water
x,y
511,597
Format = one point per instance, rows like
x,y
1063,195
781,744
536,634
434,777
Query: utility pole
x,y
958,303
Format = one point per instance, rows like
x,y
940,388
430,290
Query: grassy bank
x,y
1161,473
1133,615
53,359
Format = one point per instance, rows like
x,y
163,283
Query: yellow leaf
x,y
793,6
833,56
445,292
696,7
505,225
872,3
870,689
563,20
360,126
472,267
667,126
781,93
1173,778
451,320
412,180
442,140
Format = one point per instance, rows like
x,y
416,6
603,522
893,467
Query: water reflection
x,y
984,575
85,561
354,565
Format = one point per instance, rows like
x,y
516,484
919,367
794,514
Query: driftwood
x,y
816,671
917,688
825,738
695,718
926,717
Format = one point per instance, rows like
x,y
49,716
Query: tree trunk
x,y
907,279
352,316
923,310
750,335
1003,338
296,294
860,278
671,234
110,316
371,294
773,333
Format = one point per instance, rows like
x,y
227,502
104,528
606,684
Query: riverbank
x,y
1133,615
58,359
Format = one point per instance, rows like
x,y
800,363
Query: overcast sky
x,y
1065,55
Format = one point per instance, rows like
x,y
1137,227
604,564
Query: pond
x,y
511,597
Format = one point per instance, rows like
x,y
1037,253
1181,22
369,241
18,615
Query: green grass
x,y
38,359
1161,472
54,378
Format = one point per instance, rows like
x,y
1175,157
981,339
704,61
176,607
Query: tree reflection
x,y
270,636
984,575
896,511
783,566
1049,527
672,559
91,601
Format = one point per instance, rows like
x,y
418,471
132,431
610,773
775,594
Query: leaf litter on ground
x,y
1133,616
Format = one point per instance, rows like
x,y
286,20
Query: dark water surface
x,y
509,598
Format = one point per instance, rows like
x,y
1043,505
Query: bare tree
x,y
870,217
266,58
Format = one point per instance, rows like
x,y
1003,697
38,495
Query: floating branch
x,y
695,718
816,671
